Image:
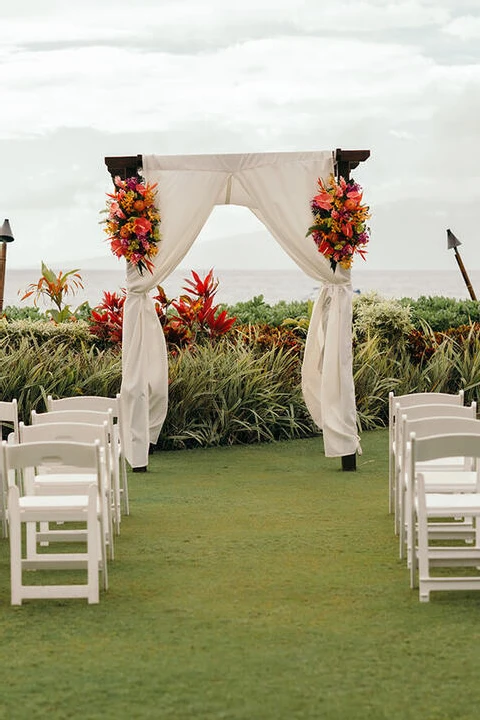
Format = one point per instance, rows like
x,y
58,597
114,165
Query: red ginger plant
x,y
187,321
106,320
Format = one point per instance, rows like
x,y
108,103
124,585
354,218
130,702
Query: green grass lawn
x,y
257,582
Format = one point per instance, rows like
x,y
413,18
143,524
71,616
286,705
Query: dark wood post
x,y
347,160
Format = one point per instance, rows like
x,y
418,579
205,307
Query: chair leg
x,y
15,547
93,547
126,502
31,539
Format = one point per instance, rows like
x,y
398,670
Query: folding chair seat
x,y
54,480
427,506
101,403
90,417
425,398
31,509
9,424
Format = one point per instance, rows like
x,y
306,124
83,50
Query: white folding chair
x,y
453,474
428,506
9,415
101,403
54,480
91,417
425,398
9,419
423,413
31,509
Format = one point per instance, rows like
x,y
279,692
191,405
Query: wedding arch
x,y
277,188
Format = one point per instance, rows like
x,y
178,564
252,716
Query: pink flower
x,y
323,200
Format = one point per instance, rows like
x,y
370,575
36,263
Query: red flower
x,y
142,226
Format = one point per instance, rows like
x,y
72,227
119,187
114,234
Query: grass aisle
x,y
255,582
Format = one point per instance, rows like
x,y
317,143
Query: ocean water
x,y
274,285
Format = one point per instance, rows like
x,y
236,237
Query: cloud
x,y
114,78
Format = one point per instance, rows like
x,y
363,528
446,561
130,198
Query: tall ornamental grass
x,y
30,370
227,394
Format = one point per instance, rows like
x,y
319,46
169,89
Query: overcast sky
x,y
83,80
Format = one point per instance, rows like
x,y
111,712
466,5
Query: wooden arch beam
x,y
128,165
347,160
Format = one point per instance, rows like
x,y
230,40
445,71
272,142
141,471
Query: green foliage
x,y
262,337
442,313
373,368
376,316
245,388
33,366
257,310
12,312
228,394
74,334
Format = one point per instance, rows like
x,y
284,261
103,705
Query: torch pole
x,y
464,274
3,260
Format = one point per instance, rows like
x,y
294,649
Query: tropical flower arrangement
x,y
340,228
133,222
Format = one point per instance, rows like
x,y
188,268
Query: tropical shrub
x,y
244,388
193,319
190,320
33,367
263,337
424,343
442,313
226,393
257,310
54,287
374,315
76,334
106,319
12,312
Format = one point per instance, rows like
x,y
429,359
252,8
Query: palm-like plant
x,y
54,287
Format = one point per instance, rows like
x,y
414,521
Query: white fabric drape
x,y
278,188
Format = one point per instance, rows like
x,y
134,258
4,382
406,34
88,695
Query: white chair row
x,y
434,489
445,474
57,485
428,506
424,420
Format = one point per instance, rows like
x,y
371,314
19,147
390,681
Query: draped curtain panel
x,y
277,187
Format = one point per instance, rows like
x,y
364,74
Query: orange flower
x,y
350,204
